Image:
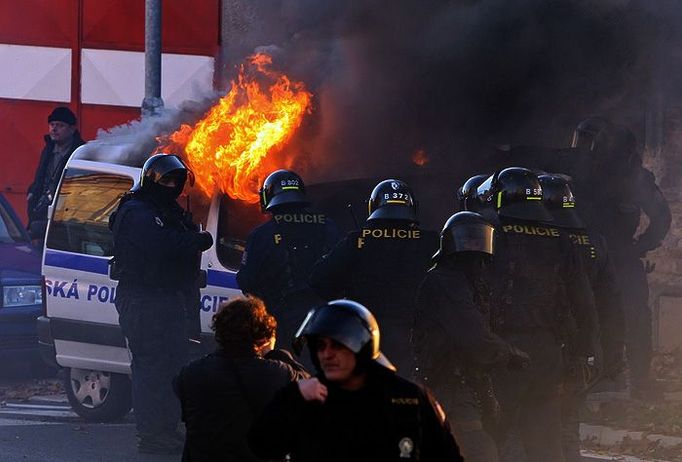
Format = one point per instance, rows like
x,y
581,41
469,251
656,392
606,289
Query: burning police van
x,y
79,330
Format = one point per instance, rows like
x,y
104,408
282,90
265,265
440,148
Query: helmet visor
x,y
473,238
340,325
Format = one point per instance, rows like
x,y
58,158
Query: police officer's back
x,y
454,346
381,265
541,296
582,373
156,261
280,253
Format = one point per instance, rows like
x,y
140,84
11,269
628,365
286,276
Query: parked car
x,y
20,283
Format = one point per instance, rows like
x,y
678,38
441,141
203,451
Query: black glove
x,y
204,240
518,359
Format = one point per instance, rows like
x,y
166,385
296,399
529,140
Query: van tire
x,y
98,396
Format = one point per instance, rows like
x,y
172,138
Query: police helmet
x,y
161,167
392,200
347,322
467,193
466,232
514,192
589,132
559,200
282,187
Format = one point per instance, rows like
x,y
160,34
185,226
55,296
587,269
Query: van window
x,y
81,217
235,221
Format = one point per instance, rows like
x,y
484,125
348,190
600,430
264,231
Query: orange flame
x,y
236,145
420,157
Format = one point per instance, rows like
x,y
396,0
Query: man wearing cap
x,y
62,139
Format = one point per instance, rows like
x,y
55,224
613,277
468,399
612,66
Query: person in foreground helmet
x,y
381,265
580,374
454,346
280,253
356,408
157,251
540,296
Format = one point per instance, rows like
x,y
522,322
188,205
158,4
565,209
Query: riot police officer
x,y
580,375
541,298
454,346
615,189
280,253
381,265
156,261
356,408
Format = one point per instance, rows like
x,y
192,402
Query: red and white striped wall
x,y
89,55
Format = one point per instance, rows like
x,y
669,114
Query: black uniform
x,y
455,350
278,259
388,419
221,394
613,202
381,265
594,254
157,253
541,301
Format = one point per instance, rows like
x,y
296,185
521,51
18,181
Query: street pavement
x,y
44,429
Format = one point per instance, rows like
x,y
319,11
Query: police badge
x,y
406,446
158,221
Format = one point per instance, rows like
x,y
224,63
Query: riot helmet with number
x,y
514,192
466,232
559,200
282,187
466,195
164,176
392,200
348,323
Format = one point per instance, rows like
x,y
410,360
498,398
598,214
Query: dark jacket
x,y
541,286
277,261
370,424
43,182
381,267
452,332
155,246
607,297
221,393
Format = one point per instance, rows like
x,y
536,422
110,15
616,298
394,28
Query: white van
x,y
79,330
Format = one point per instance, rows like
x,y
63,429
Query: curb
x,y
606,436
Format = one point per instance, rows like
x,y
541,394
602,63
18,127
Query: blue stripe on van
x,y
222,279
99,265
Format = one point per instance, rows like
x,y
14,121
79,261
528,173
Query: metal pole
x,y
152,103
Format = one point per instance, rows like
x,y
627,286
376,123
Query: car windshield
x,y
9,229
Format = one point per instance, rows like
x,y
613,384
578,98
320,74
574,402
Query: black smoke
x,y
458,77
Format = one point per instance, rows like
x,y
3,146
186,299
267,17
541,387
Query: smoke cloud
x,y
456,77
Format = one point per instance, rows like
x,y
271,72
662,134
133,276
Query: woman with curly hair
x,y
221,393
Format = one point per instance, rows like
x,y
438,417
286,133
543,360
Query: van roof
x,y
120,150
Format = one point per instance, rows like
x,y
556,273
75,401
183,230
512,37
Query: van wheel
x,y
98,396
